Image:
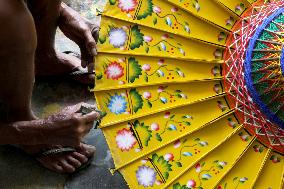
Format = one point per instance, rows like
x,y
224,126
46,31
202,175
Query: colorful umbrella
x,y
192,92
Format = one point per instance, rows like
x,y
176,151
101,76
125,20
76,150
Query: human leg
x,y
17,49
48,15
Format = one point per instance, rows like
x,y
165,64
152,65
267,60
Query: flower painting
x,y
146,176
127,5
117,37
114,71
125,140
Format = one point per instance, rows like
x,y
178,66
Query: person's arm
x,y
68,127
23,132
82,31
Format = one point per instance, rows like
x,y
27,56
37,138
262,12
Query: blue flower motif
x,y
117,104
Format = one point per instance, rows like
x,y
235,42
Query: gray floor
x,y
19,171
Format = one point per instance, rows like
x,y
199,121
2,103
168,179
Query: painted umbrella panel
x,y
192,92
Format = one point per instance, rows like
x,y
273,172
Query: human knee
x,y
17,31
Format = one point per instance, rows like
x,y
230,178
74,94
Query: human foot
x,y
67,162
48,62
51,63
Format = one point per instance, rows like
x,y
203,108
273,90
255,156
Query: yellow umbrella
x,y
192,92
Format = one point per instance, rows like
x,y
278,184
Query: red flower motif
x,y
125,140
114,71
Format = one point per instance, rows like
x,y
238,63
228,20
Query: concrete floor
x,y
19,171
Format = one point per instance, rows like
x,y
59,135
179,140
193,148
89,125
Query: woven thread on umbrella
x,y
247,111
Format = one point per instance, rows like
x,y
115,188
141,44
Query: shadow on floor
x,y
18,171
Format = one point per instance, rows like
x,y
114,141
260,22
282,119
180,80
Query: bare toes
x,y
73,161
51,164
82,158
57,168
68,168
87,150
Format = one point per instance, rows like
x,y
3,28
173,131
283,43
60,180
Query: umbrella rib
x,y
165,109
237,160
160,83
229,112
206,154
266,158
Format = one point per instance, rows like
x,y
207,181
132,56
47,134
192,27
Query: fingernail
x,y
94,51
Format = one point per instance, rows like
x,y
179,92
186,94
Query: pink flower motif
x,y
218,54
144,161
158,182
146,67
245,137
222,163
174,9
161,89
125,140
167,115
157,10
121,82
147,95
169,157
191,184
215,70
165,36
197,167
230,21
148,39
155,127
114,71
161,62
177,144
127,5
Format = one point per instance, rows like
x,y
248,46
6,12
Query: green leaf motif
x,y
178,186
102,39
158,137
112,2
147,49
155,20
136,38
187,123
146,78
99,76
146,9
134,70
145,134
163,165
149,104
179,164
136,99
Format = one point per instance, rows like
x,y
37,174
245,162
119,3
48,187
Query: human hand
x,y
69,126
82,32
